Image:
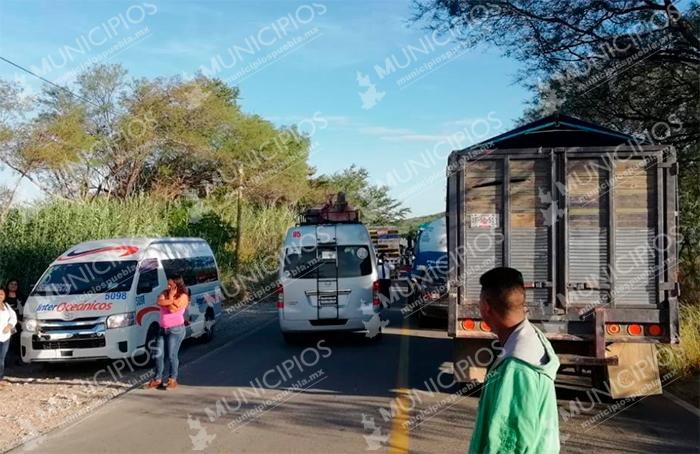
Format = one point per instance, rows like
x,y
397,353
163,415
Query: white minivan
x,y
328,279
98,299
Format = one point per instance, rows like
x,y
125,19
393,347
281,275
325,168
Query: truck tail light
x,y
654,330
468,324
613,328
484,326
280,296
375,294
634,329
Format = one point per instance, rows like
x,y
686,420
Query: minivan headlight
x,y
29,325
120,320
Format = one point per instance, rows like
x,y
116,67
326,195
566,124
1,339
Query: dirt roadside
x,y
40,398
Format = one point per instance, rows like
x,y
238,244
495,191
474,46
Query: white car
x,y
98,299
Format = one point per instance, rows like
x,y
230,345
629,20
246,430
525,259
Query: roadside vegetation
x,y
409,226
120,156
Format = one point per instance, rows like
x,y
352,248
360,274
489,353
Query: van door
x,y
150,284
355,280
299,268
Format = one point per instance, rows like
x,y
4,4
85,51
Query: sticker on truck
x,y
483,221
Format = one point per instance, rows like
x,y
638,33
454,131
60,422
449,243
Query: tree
x,y
376,205
628,64
167,136
13,106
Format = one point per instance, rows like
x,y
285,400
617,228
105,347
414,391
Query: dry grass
x,y
683,360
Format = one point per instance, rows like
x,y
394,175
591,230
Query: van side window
x,y
148,276
301,263
354,261
194,270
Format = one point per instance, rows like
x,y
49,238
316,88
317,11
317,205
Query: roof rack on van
x,y
332,212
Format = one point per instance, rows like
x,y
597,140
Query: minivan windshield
x,y
309,263
87,278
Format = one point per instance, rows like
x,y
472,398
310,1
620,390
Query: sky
x,y
370,87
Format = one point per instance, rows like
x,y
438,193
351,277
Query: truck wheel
x,y
599,381
290,338
421,322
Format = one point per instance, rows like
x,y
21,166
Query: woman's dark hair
x,y
7,288
180,284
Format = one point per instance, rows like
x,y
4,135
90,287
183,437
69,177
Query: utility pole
x,y
239,225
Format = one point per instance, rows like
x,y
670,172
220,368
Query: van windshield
x,y
87,278
309,263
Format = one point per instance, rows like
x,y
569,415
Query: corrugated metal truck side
x,y
593,231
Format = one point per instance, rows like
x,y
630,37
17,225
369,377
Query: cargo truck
x,y
589,216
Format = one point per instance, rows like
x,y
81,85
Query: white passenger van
x,y
328,279
98,299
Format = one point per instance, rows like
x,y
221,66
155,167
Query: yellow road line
x,y
399,438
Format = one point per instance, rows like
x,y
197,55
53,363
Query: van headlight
x,y
120,320
29,325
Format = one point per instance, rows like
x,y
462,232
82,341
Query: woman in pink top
x,y
173,304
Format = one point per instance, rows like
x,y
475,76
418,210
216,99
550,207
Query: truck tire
x,y
290,338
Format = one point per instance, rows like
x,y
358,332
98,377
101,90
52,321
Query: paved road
x,y
257,394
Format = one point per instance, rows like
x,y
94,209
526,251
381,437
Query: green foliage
x,y
684,359
164,136
32,238
409,226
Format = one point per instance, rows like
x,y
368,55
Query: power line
x,y
47,81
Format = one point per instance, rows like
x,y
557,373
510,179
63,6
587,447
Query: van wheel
x,y
208,332
209,325
376,338
147,359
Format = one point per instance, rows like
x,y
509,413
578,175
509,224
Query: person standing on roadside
x,y
384,280
16,302
518,405
8,320
173,303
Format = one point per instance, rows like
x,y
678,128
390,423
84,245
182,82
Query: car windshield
x,y
346,261
87,278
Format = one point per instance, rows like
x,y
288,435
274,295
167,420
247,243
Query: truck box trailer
x,y
589,217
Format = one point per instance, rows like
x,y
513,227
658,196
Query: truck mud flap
x,y
637,371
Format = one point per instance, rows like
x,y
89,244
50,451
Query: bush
x,y
683,359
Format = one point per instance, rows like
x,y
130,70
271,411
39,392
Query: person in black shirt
x,y
14,299
12,296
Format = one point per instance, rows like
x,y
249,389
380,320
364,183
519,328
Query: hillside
x,y
411,224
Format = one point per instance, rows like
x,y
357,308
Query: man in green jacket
x,y
518,406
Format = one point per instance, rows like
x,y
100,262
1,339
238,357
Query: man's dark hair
x,y
503,289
